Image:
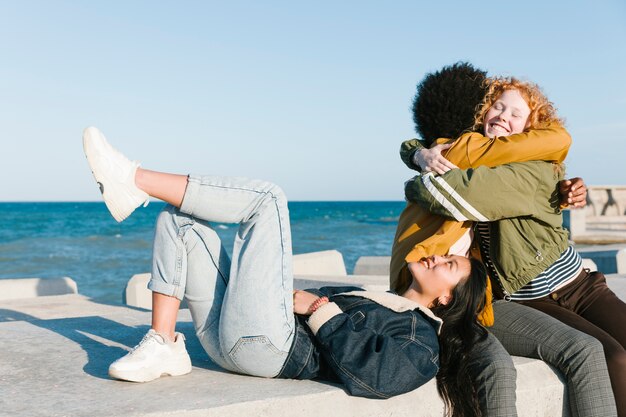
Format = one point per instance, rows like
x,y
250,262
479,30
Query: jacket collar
x,y
396,303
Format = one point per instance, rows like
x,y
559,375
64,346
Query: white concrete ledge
x,y
66,342
328,262
589,264
11,289
540,389
368,282
610,259
575,222
617,284
372,265
136,293
57,350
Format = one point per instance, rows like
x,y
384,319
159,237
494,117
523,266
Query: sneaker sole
x,y
147,375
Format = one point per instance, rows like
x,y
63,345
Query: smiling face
x,y
435,277
507,116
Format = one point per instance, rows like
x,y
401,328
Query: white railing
x,y
604,215
606,200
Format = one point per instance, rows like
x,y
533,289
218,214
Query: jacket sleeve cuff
x,y
322,315
414,158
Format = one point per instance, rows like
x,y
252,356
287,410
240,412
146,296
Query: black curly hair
x,y
446,101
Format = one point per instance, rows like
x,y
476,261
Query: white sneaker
x,y
115,175
152,358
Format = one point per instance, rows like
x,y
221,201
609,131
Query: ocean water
x,y
83,242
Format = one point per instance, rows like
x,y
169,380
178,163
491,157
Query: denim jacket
x,y
377,344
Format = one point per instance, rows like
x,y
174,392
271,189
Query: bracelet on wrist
x,y
318,303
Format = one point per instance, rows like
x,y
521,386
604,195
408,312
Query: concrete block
x,y
372,265
137,293
540,389
590,264
368,282
328,262
575,221
617,284
609,259
11,289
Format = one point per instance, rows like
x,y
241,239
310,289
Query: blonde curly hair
x,y
542,111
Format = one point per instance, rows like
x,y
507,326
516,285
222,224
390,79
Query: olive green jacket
x,y
421,233
520,199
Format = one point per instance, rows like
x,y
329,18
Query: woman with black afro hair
x,y
507,186
442,107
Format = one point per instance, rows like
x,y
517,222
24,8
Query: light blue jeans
x,y
242,309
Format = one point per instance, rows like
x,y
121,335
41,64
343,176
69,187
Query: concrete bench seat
x,y
13,289
56,351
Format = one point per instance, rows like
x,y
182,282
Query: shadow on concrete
x,y
105,340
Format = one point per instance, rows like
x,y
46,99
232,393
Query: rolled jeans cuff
x,y
166,289
191,194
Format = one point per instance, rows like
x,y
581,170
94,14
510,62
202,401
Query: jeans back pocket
x,y
257,355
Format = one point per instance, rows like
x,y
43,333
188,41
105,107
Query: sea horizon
x,y
80,239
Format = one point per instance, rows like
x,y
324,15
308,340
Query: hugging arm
x,y
482,194
369,363
408,148
416,156
573,192
473,149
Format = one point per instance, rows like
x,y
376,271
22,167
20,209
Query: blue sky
x,y
313,96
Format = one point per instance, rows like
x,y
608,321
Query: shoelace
x,y
147,338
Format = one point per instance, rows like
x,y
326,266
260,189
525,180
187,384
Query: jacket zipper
x,y
507,295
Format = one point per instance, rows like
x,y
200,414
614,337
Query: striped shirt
x,y
564,269
482,230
